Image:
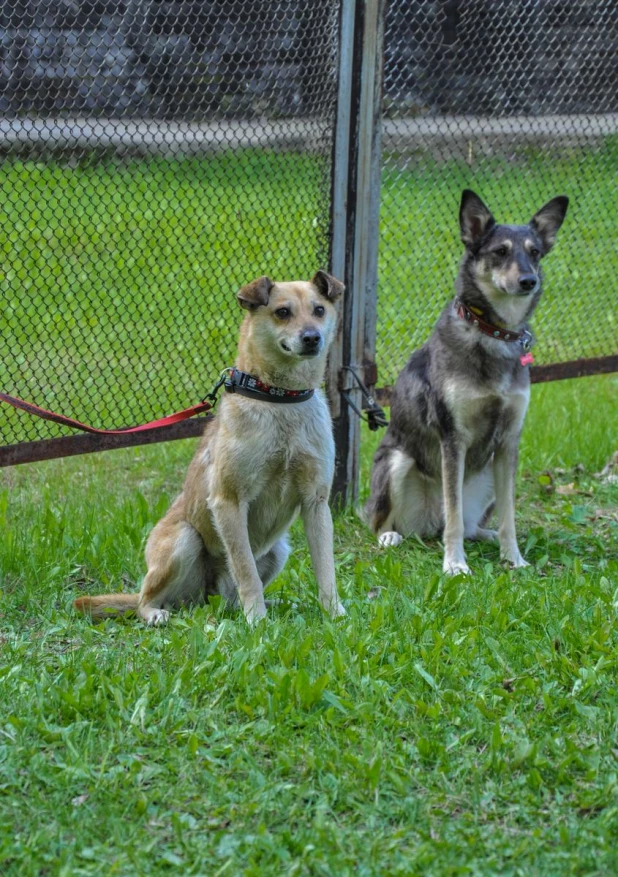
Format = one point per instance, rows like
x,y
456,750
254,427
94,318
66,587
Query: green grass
x,y
444,727
117,281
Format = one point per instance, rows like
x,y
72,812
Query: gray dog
x,y
450,453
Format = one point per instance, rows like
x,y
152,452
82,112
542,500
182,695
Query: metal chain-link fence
x,y
155,157
518,101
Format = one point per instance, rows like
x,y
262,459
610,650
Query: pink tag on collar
x,y
526,359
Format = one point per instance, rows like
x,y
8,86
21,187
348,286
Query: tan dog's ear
x,y
328,286
255,294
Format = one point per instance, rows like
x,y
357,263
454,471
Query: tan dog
x,y
258,465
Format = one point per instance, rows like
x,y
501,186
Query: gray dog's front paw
x,y
390,539
517,562
454,567
337,609
514,557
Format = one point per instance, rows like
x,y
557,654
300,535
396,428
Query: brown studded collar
x,y
524,337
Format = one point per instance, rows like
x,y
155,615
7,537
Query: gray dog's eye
x,y
534,252
283,313
501,251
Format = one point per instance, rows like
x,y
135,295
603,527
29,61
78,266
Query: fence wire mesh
x,y
518,101
155,157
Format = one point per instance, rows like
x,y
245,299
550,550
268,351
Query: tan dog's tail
x,y
107,605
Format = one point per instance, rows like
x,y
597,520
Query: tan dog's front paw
x,y
155,617
255,612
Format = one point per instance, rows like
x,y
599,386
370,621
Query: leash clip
x,y
223,378
376,418
526,340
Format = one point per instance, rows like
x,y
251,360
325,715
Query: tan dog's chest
x,y
290,457
273,509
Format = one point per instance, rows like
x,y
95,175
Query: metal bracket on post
x,y
354,226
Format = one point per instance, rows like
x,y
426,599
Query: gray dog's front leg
x,y
453,461
505,469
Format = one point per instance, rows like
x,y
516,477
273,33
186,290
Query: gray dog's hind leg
x,y
482,532
386,505
479,504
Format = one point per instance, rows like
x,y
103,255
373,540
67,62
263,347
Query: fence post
x,y
354,226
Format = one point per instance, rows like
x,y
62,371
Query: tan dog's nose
x,y
310,339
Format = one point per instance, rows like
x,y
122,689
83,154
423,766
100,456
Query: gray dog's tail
x,y
378,507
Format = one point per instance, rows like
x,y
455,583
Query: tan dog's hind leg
x,y
231,522
269,566
319,531
175,556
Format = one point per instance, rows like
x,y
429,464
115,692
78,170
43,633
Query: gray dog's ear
x,y
475,219
255,294
549,219
327,285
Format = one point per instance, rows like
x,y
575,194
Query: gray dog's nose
x,y
527,282
310,338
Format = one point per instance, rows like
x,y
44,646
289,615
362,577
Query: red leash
x,y
68,421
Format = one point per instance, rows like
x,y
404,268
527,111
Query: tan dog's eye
x,y
319,311
283,313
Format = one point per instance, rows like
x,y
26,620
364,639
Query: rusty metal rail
x,y
540,374
71,445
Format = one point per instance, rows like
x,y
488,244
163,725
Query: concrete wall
x,y
196,59
495,57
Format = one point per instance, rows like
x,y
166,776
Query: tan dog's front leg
x,y
319,530
231,522
453,462
505,469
